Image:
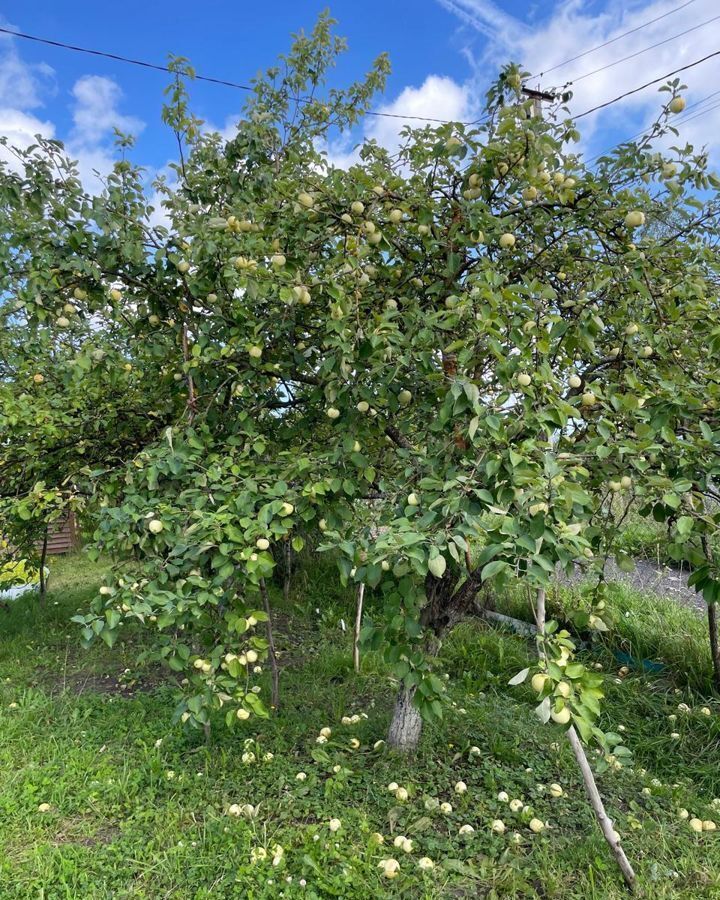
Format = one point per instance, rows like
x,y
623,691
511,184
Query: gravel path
x,y
656,578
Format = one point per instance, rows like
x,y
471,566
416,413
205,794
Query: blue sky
x,y
443,54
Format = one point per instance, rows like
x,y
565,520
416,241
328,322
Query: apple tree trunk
x,y
446,604
406,725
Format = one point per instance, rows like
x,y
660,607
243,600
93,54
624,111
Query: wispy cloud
x,y
22,85
568,28
487,18
96,113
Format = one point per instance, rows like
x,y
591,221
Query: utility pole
x,y
538,98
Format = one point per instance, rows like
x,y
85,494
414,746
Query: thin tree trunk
x,y
714,642
189,378
287,549
272,656
596,802
358,626
540,610
43,559
591,789
406,724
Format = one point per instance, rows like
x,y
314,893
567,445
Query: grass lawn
x,y
141,809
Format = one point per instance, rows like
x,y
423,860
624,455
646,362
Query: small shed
x,y
64,536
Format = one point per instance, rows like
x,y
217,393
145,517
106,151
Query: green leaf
x,y
671,499
493,568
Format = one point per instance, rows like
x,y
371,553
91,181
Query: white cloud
x,y
95,118
485,17
341,152
438,97
20,128
570,28
21,87
22,84
95,114
229,130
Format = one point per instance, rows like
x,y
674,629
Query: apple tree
x,y
444,357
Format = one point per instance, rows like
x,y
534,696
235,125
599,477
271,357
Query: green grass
x,y
643,537
130,819
644,626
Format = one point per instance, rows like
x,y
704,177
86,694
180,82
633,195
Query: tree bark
x,y
540,610
358,626
272,655
714,642
406,724
43,559
598,807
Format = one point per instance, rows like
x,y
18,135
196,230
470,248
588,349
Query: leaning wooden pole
x,y
591,789
606,824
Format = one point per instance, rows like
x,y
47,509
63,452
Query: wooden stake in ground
x,y
287,550
358,626
272,656
540,610
43,559
591,789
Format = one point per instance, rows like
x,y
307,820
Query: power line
x,y
700,102
646,85
668,40
613,40
221,81
118,58
677,122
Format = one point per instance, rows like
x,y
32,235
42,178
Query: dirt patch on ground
x,y
75,831
120,684
294,639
